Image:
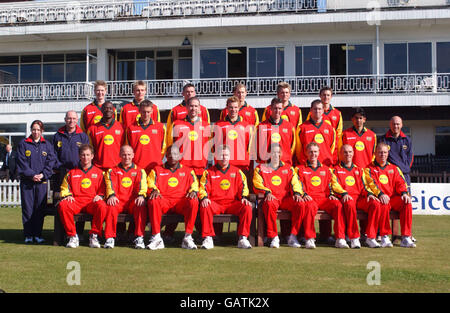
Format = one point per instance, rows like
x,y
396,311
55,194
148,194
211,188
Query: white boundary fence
x,y
10,193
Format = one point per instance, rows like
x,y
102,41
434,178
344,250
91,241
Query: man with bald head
x,y
400,148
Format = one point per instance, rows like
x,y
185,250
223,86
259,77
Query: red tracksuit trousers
x,y
67,210
244,212
298,215
139,213
332,207
184,206
372,208
405,210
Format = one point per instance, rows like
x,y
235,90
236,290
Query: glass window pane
x,y
359,59
145,54
9,74
54,58
76,57
442,57
140,70
315,60
280,62
213,63
75,72
150,69
125,70
185,53
443,130
164,53
30,58
298,61
9,59
395,58
184,68
30,73
92,70
442,144
262,62
53,73
125,55
419,57
13,128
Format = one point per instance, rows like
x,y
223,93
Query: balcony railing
x,y
223,87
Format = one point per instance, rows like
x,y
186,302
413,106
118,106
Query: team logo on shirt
x,y
359,145
384,179
275,137
285,117
172,182
276,180
316,181
86,183
225,184
144,140
59,144
97,119
126,182
108,140
28,153
193,135
232,134
350,181
318,138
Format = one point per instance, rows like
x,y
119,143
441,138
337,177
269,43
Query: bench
x,y
284,216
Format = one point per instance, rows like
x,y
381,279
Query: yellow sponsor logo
x,y
97,119
193,135
28,153
350,181
316,181
318,138
145,140
232,134
359,145
285,117
126,182
59,144
86,183
275,137
108,140
225,184
276,180
172,182
384,179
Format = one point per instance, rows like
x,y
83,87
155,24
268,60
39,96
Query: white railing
x,y
9,193
220,87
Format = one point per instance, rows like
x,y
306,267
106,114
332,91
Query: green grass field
x,y
43,268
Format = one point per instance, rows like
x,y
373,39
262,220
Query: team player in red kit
x,y
172,187
83,190
290,112
281,189
223,189
247,112
130,111
147,138
126,190
385,181
350,177
107,136
321,191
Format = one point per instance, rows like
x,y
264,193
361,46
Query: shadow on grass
x,y
15,236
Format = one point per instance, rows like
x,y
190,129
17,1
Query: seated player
x,y
82,190
126,189
172,188
223,189
281,188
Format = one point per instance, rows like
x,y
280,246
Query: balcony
x,y
405,84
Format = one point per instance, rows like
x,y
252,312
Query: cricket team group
x,y
129,162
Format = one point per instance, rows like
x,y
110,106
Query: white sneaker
x,y
355,244
73,242
207,243
293,242
243,243
156,243
39,239
407,243
28,239
310,244
139,243
386,242
188,243
109,244
341,243
372,243
275,243
93,241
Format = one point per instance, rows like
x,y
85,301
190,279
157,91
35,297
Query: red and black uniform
x,y
282,133
148,143
180,112
247,112
319,183
291,113
106,140
173,187
126,184
92,114
351,179
130,114
225,188
192,138
281,182
83,186
321,133
389,180
364,145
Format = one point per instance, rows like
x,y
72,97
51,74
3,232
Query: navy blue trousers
x,y
34,200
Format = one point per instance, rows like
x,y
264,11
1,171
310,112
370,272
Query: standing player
x,y
281,188
107,136
247,112
83,190
180,111
147,137
126,189
172,188
223,189
321,190
386,181
290,112
130,111
362,140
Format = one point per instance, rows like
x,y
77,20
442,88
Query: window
x,y
442,59
9,74
266,62
185,63
419,58
395,58
315,60
402,58
213,63
359,59
442,141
